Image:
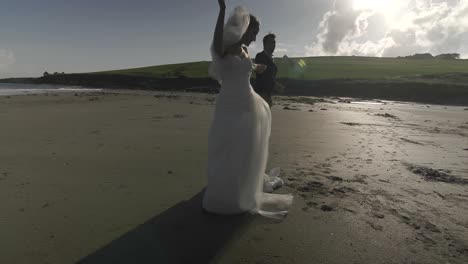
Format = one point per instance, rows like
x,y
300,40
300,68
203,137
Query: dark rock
x,y
335,178
311,186
351,124
326,208
387,115
304,100
436,175
411,141
289,108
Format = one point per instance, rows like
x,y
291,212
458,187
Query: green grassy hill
x,y
322,68
189,70
326,68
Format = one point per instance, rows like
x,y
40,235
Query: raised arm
x,y
218,34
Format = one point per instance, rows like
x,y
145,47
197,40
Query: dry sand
x,y
118,178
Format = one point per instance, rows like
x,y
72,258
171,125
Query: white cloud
x,y
291,50
415,26
281,50
7,58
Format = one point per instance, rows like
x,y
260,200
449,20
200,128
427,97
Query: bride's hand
x,y
222,4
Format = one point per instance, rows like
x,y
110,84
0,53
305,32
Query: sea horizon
x,y
9,89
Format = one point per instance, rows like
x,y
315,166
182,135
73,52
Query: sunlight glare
x,y
391,10
374,5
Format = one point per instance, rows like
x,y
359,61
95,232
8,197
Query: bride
x,y
240,131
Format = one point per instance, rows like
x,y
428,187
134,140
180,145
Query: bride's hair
x,y
252,30
254,23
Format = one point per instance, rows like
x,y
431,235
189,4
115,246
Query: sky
x,y
94,35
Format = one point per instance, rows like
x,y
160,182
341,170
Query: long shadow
x,y
181,234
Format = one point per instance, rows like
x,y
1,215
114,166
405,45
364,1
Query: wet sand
x,y
118,178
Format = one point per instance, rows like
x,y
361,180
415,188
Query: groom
x,y
266,81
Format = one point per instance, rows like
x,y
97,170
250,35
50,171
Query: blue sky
x,y
80,36
93,35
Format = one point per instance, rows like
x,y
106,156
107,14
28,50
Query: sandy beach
x,y
118,178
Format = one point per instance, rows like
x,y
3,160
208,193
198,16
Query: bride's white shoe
x,y
272,181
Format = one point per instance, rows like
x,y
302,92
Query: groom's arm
x,y
278,87
260,60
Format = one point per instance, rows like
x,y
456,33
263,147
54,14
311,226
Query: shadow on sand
x,y
181,234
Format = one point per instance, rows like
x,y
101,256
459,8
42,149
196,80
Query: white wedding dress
x,y
238,147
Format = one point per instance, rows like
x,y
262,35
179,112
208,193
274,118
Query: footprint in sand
x,y
428,242
377,215
431,227
343,191
375,226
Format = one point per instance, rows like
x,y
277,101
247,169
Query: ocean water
x,y
8,89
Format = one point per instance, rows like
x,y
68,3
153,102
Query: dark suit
x,y
265,82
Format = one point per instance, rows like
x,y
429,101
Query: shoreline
x,y
188,93
410,90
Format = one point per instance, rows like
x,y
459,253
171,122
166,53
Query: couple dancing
x,y
240,131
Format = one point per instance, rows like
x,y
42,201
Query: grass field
x,y
325,68
190,70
